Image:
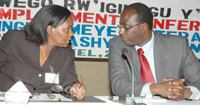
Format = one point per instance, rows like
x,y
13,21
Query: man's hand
x,y
177,88
171,88
187,92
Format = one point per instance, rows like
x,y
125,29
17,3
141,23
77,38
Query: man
x,y
171,62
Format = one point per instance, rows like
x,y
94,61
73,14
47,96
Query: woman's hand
x,y
79,90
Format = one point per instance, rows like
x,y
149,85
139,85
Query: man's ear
x,y
49,29
144,26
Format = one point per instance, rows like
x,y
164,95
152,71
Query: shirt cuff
x,y
146,91
195,93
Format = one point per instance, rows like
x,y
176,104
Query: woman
x,y
40,55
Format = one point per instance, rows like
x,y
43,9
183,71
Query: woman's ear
x,y
49,29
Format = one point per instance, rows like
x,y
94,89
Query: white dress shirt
x,y
149,54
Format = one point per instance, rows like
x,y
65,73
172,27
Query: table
x,y
149,101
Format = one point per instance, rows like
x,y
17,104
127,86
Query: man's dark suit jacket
x,y
172,58
20,58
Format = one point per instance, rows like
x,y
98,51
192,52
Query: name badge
x,y
52,78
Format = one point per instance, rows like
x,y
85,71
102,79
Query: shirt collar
x,y
148,46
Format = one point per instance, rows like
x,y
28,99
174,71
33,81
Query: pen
x,y
81,82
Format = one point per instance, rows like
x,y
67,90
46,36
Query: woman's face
x,y
61,35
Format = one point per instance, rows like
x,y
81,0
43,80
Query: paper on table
x,y
18,94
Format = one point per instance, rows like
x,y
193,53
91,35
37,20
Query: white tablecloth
x,y
149,101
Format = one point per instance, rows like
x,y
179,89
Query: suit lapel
x,y
52,59
159,60
35,56
34,52
136,62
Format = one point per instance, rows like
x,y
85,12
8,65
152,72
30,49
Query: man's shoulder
x,y
170,37
116,39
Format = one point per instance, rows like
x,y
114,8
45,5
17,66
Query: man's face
x,y
130,30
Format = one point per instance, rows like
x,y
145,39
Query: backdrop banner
x,y
95,21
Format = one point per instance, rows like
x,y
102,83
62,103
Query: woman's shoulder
x,y
12,31
67,50
15,34
15,37
66,53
